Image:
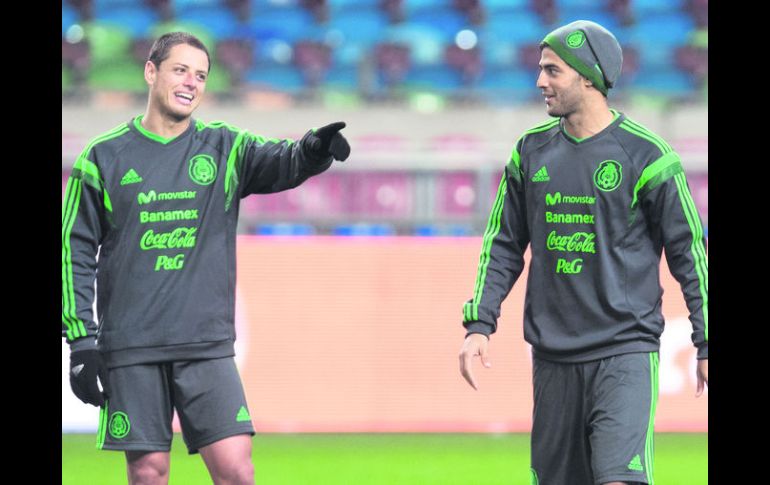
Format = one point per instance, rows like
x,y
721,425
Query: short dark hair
x,y
160,49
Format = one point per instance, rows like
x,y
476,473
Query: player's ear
x,y
150,71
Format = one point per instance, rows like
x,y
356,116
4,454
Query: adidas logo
x,y
243,414
541,176
131,177
635,464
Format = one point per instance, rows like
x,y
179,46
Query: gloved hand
x,y
85,367
327,141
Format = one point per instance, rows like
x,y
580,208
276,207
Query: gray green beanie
x,y
590,49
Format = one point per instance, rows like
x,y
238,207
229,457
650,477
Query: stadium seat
x,y
442,79
517,27
138,20
121,75
108,42
198,30
289,24
313,59
670,83
643,8
508,87
220,22
447,22
598,15
425,43
495,7
361,26
280,78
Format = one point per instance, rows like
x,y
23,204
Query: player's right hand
x,y
86,366
475,344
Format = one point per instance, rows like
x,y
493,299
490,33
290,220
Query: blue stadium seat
x,y
69,17
286,23
434,78
412,6
521,27
600,16
495,7
508,86
342,77
669,83
361,26
446,21
221,22
665,29
642,8
138,20
343,5
181,5
425,43
278,78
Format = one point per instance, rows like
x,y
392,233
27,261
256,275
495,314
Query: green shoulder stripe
x,y
546,125
655,174
647,135
647,131
201,125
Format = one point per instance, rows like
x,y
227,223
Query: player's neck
x,y
163,126
588,121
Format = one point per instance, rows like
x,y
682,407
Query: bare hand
x,y
475,344
703,376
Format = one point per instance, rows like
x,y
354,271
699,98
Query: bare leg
x,y
148,467
229,460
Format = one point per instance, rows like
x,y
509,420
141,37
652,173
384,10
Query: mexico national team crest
x,y
608,176
119,425
576,39
203,170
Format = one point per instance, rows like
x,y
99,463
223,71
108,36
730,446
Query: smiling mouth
x,y
185,97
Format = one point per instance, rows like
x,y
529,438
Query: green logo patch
x,y
243,414
203,170
119,425
608,176
576,39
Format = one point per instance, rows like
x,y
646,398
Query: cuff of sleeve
x,y
479,327
85,343
703,351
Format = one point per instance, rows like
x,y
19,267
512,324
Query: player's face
x,y
178,84
561,85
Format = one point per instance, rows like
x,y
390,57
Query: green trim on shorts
x,y
649,444
101,433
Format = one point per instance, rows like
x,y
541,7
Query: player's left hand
x,y
327,140
702,373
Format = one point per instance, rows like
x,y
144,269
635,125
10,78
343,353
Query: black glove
x,y
85,367
327,141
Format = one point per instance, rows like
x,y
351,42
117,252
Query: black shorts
x,y
593,421
207,394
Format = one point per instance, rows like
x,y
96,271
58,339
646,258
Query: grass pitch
x,y
378,459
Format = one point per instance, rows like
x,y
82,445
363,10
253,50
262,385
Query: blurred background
x,y
385,246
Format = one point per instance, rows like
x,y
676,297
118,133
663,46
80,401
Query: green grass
x,y
378,459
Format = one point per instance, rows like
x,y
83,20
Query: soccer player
x,y
150,213
597,197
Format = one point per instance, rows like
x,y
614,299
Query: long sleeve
x,y
84,215
502,252
666,198
257,165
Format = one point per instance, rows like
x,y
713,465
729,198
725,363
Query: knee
x,y
148,472
240,474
